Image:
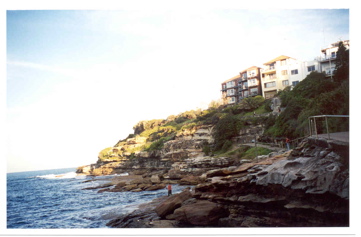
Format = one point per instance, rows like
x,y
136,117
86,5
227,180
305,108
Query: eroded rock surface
x,y
306,187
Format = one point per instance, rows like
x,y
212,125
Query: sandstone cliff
x,y
306,187
187,143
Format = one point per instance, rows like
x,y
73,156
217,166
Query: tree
x,y
226,128
342,64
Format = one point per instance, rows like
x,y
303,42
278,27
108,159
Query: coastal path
x,y
339,136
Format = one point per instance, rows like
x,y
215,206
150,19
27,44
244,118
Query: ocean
x,y
53,199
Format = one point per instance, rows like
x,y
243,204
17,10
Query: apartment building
x,y
246,84
230,90
328,57
250,84
279,73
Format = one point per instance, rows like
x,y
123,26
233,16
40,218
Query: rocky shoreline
x,y
305,187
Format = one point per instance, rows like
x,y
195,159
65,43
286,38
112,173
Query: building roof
x,y
279,58
233,78
253,67
346,43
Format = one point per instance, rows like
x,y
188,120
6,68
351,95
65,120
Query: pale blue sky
x,y
77,81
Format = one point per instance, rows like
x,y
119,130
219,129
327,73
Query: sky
x,y
77,81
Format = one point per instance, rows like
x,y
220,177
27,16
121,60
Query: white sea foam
x,y
122,174
69,175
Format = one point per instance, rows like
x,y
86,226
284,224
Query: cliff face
x,y
306,187
187,144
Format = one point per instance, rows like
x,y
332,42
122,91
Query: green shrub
x,y
253,152
207,150
227,127
227,145
158,145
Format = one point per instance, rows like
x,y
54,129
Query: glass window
x,y
230,92
311,68
285,83
254,91
294,72
270,84
294,83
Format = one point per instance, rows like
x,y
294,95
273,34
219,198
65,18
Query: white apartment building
x,y
328,57
279,73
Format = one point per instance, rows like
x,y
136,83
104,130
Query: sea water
x,y
57,199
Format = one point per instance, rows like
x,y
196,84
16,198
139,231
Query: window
x,y
311,68
294,83
284,72
294,72
231,100
254,91
252,82
244,75
230,92
270,84
245,85
230,84
272,76
285,83
252,73
283,62
271,66
333,55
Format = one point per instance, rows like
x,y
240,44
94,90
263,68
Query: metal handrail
x,y
322,116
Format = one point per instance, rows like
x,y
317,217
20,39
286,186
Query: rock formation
x,y
306,187
113,160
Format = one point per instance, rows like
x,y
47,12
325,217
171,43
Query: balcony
x,y
269,69
270,77
326,58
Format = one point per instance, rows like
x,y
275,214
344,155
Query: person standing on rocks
x,y
169,190
288,144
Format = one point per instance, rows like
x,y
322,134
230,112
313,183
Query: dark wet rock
x,y
173,202
100,186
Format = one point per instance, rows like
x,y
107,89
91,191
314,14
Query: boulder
x,y
217,172
155,179
155,187
175,174
84,170
200,213
190,180
173,202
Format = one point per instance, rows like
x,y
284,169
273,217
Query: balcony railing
x,y
269,68
270,77
326,58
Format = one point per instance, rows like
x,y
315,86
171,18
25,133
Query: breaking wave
x,y
69,175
